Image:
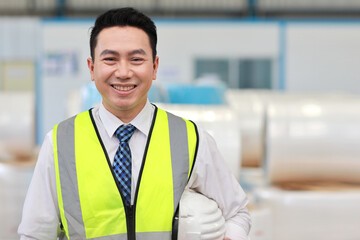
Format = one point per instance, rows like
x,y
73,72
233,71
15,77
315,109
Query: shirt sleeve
x,y
212,178
40,218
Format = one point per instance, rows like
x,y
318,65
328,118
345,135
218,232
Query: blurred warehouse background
x,y
284,75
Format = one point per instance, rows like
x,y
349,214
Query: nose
x,y
123,70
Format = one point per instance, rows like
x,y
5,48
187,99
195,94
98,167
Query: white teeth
x,y
121,88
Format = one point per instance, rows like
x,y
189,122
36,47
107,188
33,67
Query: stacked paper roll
x,y
313,139
324,213
250,109
220,122
310,148
17,125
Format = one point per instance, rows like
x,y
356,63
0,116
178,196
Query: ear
x,y
91,68
155,67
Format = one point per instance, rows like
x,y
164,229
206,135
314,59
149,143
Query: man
x,y
96,180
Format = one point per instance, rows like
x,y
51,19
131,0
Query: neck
x,y
125,115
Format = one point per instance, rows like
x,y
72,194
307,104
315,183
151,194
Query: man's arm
x,y
212,178
40,217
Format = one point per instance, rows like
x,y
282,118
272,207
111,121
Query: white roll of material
x,y
250,106
17,125
324,214
313,139
221,123
200,218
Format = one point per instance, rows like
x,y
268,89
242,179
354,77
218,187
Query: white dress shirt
x,y
210,176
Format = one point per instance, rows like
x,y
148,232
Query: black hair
x,y
124,17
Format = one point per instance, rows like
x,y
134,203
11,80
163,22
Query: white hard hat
x,y
200,218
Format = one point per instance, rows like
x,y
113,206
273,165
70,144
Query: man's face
x,y
123,70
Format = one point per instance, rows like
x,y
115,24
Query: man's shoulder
x,y
82,114
174,114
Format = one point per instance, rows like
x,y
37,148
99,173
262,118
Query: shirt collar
x,y
142,121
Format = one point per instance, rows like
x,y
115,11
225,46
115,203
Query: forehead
x,y
123,37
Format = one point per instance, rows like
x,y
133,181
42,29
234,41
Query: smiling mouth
x,y
123,88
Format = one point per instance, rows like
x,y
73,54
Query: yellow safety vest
x,y
90,202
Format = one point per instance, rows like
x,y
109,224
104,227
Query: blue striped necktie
x,y
122,160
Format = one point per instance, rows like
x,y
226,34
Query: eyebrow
x,y
112,52
137,51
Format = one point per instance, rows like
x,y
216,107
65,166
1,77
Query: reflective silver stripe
x,y
112,237
68,179
179,155
122,236
153,236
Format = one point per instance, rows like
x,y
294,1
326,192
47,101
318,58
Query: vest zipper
x,y
130,222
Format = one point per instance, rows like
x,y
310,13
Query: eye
x,y
137,60
109,60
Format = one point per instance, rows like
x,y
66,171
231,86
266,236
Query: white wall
x,y
18,38
323,57
61,37
181,42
